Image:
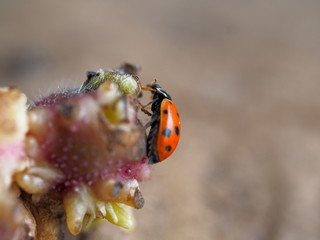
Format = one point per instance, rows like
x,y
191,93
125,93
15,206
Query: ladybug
x,y
164,133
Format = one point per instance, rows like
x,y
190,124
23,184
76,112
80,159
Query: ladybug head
x,y
160,93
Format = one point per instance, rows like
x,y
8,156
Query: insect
x,y
124,76
164,133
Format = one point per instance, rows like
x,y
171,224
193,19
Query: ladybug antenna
x,y
153,83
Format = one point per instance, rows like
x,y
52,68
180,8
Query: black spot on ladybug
x,y
166,132
168,148
178,114
165,111
176,130
170,103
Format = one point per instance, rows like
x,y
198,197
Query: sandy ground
x,y
245,77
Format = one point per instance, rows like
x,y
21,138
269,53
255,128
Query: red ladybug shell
x,y
169,129
164,133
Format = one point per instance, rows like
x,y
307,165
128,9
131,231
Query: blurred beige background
x,y
245,76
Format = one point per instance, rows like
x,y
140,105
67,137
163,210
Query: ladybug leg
x,y
146,112
143,107
149,123
148,104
